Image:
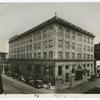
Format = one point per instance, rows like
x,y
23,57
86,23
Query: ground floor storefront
x,y
60,73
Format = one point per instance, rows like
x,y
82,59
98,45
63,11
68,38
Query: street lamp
x,y
47,74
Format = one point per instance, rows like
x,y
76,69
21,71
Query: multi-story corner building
x,y
57,49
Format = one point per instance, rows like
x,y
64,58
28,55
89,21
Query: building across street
x,y
55,51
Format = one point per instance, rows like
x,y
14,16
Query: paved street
x,y
12,86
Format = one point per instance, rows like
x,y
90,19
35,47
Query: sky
x,y
16,18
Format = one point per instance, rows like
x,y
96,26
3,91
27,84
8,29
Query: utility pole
x,y
1,81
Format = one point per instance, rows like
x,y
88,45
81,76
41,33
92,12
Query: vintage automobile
x,y
22,79
38,84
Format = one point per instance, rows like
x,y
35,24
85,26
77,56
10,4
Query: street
x,y
12,86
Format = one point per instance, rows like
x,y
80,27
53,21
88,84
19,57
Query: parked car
x,y
28,79
93,78
16,76
38,84
9,73
31,82
22,79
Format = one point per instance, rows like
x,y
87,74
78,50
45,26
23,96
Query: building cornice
x,y
55,19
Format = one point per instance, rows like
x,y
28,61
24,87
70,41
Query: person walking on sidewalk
x,y
49,85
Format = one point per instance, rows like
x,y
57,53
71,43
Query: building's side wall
x,y
73,42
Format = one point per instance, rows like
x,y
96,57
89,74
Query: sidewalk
x,y
81,88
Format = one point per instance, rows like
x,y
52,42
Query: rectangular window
x,y
66,77
73,55
60,54
50,43
84,39
88,48
73,46
79,56
84,56
88,40
59,70
35,55
35,46
91,56
51,54
60,43
67,44
79,47
79,37
45,55
39,55
45,44
39,36
88,56
60,33
84,48
66,55
73,35
91,49
67,35
39,46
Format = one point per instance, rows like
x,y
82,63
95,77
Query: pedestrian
x,y
49,85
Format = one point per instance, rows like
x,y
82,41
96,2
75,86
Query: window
x,y
91,49
79,47
73,46
60,43
73,55
84,56
88,40
79,37
88,48
45,35
67,35
39,46
39,36
73,35
30,55
66,67
35,55
45,44
79,56
60,54
39,55
84,39
84,48
66,77
91,56
67,44
66,55
50,43
59,70
88,56
51,54
35,46
60,33
45,55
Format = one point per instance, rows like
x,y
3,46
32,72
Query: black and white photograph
x,y
50,48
